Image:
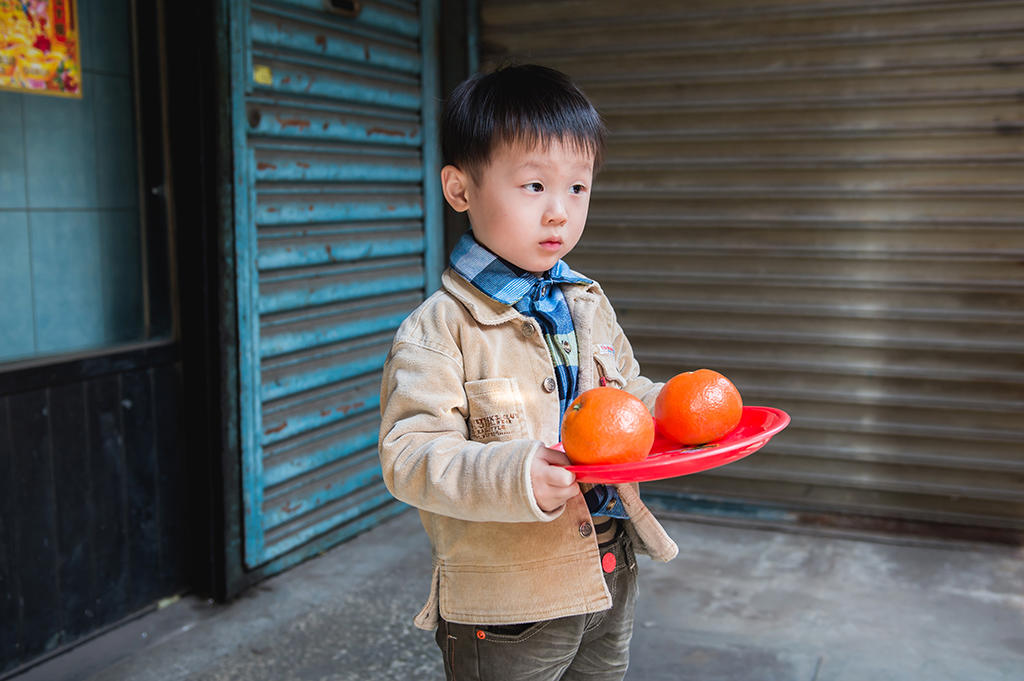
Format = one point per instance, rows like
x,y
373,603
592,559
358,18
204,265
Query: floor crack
x,y
817,668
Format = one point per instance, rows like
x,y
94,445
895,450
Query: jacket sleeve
x,y
427,458
635,384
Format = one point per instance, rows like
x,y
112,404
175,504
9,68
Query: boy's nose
x,y
556,214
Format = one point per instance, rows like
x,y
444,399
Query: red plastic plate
x,y
668,460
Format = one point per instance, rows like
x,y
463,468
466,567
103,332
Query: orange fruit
x,y
607,425
696,407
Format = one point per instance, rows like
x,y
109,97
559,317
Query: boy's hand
x,y
552,484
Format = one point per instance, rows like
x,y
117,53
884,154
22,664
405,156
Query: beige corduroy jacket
x,y
467,399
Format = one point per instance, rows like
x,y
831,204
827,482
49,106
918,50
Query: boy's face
x,y
530,205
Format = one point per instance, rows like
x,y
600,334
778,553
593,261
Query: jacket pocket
x,y
607,367
496,411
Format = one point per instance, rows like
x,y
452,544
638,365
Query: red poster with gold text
x,y
39,49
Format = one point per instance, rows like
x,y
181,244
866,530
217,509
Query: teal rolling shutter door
x,y
337,238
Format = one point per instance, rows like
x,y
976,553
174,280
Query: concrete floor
x,y
739,604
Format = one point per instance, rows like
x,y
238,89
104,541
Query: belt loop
x,y
627,547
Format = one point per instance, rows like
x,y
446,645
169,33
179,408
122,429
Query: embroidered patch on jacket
x,y
605,349
493,427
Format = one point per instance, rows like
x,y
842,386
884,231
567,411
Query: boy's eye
x,y
534,186
578,188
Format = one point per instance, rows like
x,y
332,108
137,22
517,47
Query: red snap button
x,y
608,562
480,634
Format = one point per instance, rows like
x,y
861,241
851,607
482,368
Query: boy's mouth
x,y
551,244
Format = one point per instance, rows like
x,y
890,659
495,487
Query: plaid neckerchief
x,y
535,296
540,298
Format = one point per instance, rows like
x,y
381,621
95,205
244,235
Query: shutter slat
x,y
301,413
313,450
339,43
281,118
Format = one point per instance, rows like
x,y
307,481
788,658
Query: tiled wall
x,y
70,272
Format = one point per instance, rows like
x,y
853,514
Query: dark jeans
x,y
593,647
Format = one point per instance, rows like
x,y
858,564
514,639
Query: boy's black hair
x,y
524,105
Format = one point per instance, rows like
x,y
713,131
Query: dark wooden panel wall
x,y
91,512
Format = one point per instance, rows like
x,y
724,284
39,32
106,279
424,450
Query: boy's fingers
x,y
553,485
560,477
556,457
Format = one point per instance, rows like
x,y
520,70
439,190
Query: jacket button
x,y
586,529
528,329
549,385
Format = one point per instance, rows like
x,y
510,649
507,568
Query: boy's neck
x,y
516,269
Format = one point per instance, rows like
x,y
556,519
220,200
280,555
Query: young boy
x,y
532,578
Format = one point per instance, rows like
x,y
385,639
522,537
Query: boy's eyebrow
x,y
531,164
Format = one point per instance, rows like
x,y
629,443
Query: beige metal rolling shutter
x,y
822,200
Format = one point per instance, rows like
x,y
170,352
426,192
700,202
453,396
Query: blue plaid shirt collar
x,y
500,279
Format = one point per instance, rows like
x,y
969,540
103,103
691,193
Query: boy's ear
x,y
455,186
